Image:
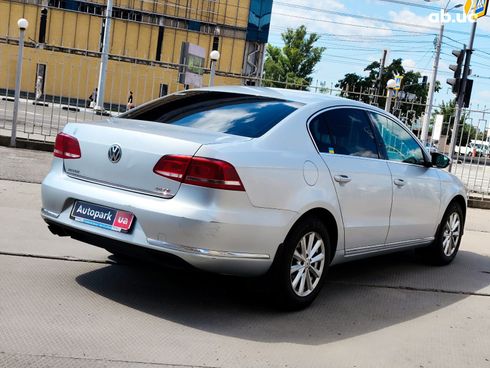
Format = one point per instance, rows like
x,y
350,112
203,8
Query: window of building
x,y
259,20
161,31
42,25
55,3
163,90
194,26
90,8
216,43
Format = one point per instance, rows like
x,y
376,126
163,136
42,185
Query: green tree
x,y
353,81
448,110
292,65
466,133
370,86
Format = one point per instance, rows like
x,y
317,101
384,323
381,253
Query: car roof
x,y
303,97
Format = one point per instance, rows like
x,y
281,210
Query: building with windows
x,y
146,54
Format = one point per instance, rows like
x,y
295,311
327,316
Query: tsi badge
x,y
114,153
164,192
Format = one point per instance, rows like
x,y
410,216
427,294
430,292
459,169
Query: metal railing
x,y
64,90
472,152
65,93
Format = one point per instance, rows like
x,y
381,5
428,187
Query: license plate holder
x,y
103,217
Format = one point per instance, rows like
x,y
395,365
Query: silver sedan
x,y
253,181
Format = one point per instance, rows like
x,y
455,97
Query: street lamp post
x,y
99,102
214,56
432,86
390,86
22,24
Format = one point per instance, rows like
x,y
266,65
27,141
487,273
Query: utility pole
x,y
380,75
390,86
432,88
99,104
461,95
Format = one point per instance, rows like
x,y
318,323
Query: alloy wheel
x,y
307,264
451,234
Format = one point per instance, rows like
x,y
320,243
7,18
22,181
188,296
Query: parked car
x,y
482,147
254,181
476,148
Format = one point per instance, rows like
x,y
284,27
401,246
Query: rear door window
x,y
344,131
238,114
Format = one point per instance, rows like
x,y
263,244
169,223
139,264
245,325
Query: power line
x,y
417,5
361,38
347,24
452,39
357,16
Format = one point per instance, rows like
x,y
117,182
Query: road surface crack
x,y
57,258
412,288
102,360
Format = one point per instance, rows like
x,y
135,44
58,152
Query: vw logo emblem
x,y
114,153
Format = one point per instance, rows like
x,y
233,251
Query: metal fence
x,y
472,153
66,89
66,98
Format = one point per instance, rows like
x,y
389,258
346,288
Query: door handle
x,y
399,182
342,179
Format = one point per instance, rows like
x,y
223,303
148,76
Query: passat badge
x,y
114,153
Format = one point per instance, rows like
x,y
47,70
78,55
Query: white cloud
x,y
485,94
413,21
409,64
482,97
284,16
484,24
443,65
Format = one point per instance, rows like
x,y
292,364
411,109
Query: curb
x,y
479,203
27,144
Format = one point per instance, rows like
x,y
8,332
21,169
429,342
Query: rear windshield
x,y
238,114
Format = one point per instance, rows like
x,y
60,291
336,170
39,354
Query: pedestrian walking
x,y
39,87
93,98
130,104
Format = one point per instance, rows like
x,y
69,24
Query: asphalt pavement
x,y
67,304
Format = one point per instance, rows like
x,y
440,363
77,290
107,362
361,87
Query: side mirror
x,y
439,160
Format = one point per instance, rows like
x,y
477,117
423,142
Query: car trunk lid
x,y
122,153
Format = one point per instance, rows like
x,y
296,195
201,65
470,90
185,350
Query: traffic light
x,y
467,93
457,68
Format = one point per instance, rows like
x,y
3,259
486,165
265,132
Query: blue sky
x,y
354,35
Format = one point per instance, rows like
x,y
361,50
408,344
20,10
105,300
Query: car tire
x,y
448,238
301,268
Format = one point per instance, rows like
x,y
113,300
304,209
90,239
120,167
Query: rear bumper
x,y
217,231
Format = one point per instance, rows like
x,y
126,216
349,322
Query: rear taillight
x,y
201,171
212,173
66,147
172,166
